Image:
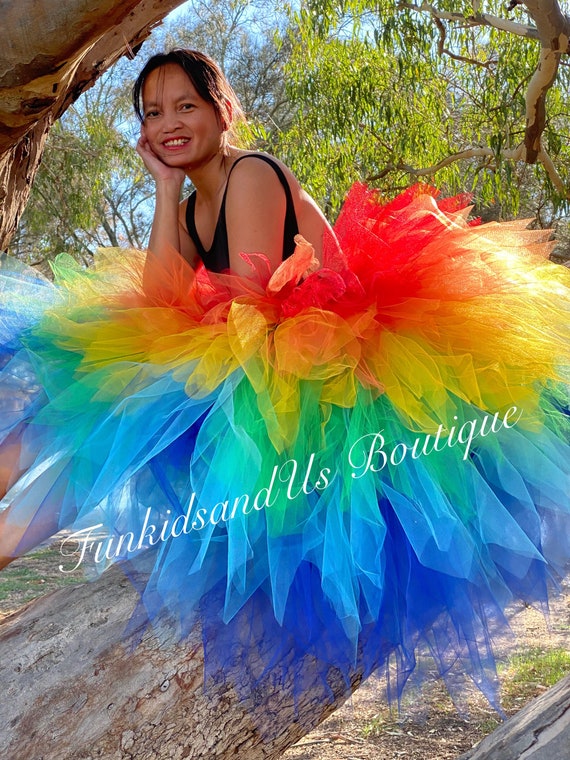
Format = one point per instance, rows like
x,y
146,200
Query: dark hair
x,y
205,75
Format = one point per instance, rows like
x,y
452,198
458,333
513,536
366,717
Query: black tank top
x,y
218,257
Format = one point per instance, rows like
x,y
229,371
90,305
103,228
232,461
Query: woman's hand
x,y
161,172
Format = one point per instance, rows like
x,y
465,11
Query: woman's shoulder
x,y
264,157
258,174
255,171
256,162
262,181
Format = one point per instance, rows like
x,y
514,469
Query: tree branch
x,y
477,19
541,81
553,26
442,50
431,170
553,175
512,154
552,29
42,74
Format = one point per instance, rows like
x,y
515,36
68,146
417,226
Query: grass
x,y
523,676
34,575
531,672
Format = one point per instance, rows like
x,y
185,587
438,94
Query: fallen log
x,y
73,689
540,731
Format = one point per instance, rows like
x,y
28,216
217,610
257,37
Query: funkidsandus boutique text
x,y
369,454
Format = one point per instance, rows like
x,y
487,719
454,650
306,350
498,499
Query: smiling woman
x,y
188,112
358,446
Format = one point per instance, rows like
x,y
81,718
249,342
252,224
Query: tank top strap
x,y
217,258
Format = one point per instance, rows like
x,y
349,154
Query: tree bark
x,y
540,731
72,689
553,29
50,52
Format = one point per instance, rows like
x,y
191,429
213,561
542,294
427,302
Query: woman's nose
x,y
171,121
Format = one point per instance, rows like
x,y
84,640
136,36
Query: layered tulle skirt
x,y
350,463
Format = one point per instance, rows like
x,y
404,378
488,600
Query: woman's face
x,y
182,128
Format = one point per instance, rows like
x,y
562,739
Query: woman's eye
x,y
150,114
187,106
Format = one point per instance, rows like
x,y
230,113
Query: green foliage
x,y
352,121
90,190
342,90
384,93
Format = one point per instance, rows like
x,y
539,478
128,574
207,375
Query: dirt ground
x,y
428,726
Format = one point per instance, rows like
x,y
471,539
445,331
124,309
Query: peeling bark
x,y
18,167
542,80
552,26
50,52
553,29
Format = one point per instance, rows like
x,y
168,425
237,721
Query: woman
x,y
355,459
188,112
244,202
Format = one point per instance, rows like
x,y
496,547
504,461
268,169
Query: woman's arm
x,y
168,229
16,538
255,214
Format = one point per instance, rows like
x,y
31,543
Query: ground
x,y
428,726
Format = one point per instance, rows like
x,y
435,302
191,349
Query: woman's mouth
x,y
177,142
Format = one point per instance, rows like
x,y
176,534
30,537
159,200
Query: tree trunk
x,y
540,731
73,690
50,52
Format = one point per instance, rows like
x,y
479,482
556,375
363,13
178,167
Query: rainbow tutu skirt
x,y
364,460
